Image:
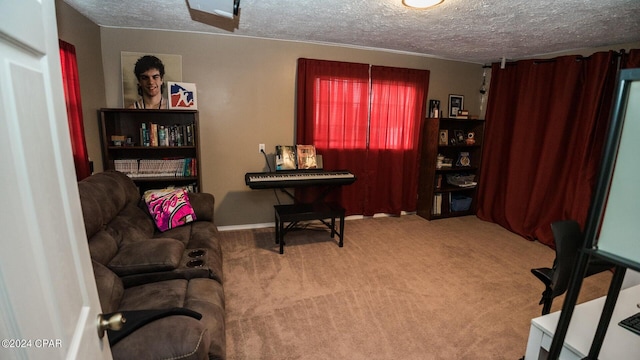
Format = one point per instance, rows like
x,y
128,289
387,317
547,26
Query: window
x,y
340,113
365,119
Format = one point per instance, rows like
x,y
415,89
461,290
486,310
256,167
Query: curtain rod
x,y
579,57
541,61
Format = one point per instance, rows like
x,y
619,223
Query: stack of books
x,y
153,134
149,168
437,204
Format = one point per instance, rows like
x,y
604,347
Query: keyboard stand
x,y
294,213
319,197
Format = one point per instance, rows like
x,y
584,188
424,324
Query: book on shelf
x,y
437,204
285,157
176,136
306,155
144,135
162,136
153,134
189,141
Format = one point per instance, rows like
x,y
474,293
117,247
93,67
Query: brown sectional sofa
x,y
167,284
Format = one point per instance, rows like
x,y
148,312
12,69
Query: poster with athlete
x,y
182,96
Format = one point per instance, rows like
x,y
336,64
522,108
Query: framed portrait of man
x,y
131,92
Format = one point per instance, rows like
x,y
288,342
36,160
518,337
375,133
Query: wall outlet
x,y
260,148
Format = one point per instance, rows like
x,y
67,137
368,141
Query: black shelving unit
x,y
129,122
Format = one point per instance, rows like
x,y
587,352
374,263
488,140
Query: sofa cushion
x,y
157,295
205,296
141,219
109,194
110,289
129,188
170,208
131,225
159,340
147,256
91,209
102,247
182,233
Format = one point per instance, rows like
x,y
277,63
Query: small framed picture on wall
x,y
456,102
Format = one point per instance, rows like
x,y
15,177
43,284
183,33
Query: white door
x,y
48,298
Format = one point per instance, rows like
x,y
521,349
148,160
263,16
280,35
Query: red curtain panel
x,y
71,85
546,123
631,59
366,120
332,114
398,98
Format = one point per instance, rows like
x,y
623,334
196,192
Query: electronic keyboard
x,y
298,178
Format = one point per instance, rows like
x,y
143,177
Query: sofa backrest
x,y
112,191
111,214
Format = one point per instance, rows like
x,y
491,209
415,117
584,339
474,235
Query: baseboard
x,y
245,227
266,225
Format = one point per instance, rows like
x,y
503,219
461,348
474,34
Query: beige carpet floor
x,y
400,288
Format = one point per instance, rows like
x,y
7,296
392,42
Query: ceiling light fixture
x,y
421,4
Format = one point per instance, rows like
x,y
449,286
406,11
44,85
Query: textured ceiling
x,y
479,31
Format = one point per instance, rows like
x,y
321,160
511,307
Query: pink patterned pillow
x,y
170,208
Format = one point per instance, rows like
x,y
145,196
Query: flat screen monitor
x,y
616,220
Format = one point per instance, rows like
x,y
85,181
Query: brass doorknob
x,y
114,322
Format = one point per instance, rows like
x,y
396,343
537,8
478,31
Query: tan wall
x,y
246,96
85,36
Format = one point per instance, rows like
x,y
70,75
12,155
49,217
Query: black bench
x,y
293,213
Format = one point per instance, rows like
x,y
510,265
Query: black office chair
x,y
569,238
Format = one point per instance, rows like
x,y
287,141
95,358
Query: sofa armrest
x,y
135,319
146,256
202,204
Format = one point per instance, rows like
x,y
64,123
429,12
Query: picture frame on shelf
x,y
434,108
456,102
443,139
459,135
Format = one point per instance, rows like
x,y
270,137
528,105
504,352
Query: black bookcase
x,y
152,165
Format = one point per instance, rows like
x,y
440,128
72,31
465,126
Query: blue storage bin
x,y
460,202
